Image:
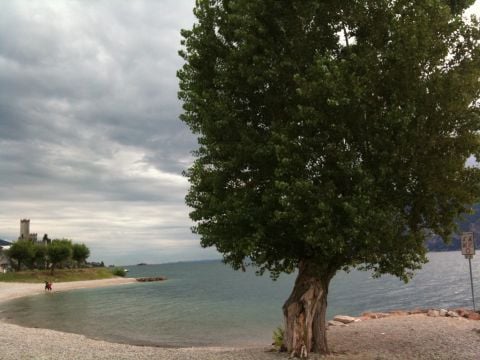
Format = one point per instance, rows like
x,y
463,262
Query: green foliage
x,y
277,338
22,251
58,252
80,253
118,272
330,132
458,6
39,256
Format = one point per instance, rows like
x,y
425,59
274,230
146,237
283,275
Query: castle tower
x,y
24,229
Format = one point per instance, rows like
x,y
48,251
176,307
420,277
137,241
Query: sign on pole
x,y
468,245
468,249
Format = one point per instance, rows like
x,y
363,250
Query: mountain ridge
x,y
470,222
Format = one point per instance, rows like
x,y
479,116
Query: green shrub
x,y
278,338
118,272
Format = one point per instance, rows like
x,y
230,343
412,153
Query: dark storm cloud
x,y
103,68
92,65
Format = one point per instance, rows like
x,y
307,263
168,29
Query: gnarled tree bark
x,y
305,310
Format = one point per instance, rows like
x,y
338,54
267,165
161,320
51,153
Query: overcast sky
x,y
91,147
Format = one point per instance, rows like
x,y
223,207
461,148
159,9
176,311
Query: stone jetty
x,y
149,279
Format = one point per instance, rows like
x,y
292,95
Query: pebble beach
x,y
415,336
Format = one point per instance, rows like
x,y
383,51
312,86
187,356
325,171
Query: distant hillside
x,y
4,243
470,223
437,244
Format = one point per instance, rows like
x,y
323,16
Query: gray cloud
x,y
91,147
90,142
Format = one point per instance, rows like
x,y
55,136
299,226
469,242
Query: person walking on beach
x,y
48,286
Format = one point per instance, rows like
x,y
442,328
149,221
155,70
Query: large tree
x,y
332,134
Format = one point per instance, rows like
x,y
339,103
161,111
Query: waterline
x,y
208,304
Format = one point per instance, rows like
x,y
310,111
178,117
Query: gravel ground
x,y
24,343
407,337
395,337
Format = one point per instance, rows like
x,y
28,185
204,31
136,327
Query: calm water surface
x,y
207,303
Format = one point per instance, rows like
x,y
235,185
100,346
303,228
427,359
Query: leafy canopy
x,y
59,251
80,253
334,132
39,256
21,251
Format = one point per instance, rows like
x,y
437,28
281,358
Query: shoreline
x,y
13,290
21,342
415,336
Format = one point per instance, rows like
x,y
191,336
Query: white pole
x,y
468,249
471,280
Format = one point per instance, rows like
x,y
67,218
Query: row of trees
x,y
59,253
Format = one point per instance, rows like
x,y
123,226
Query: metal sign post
x,y
468,249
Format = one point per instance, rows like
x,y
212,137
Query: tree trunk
x,y
304,312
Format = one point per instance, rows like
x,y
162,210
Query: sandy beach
x,y
10,291
396,337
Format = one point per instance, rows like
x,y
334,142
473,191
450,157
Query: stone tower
x,y
24,229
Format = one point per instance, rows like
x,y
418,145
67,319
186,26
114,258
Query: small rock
x,y
399,313
473,316
452,314
418,311
344,319
373,315
462,312
335,323
433,313
380,315
443,312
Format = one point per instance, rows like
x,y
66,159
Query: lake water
x,y
207,303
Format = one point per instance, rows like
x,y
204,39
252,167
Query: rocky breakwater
x,y
344,320
149,279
